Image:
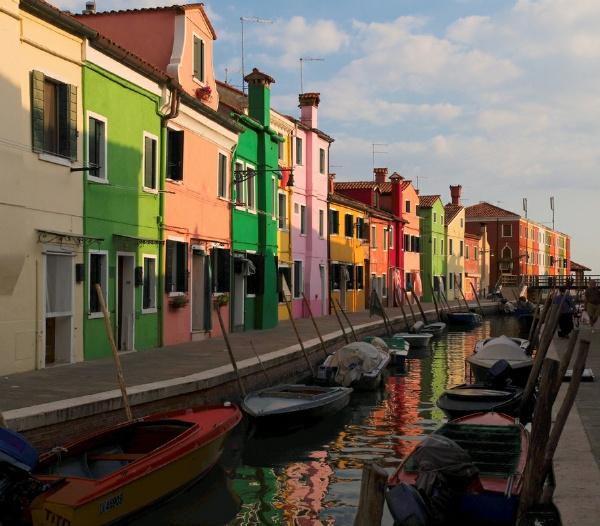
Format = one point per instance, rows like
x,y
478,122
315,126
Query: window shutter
x,y
169,266
182,272
37,111
196,55
223,266
72,121
201,60
208,285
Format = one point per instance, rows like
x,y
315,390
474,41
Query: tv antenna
x,y
374,152
255,20
307,59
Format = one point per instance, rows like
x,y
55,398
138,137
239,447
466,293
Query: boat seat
x,y
126,457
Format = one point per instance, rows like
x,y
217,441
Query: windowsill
x,y
96,315
174,181
150,190
250,295
153,310
251,211
55,159
99,180
221,198
198,81
175,294
302,235
284,229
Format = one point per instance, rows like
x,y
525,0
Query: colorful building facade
x,y
411,239
454,223
433,252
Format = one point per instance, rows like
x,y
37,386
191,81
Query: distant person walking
x,y
567,308
592,302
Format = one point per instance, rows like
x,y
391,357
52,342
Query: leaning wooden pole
x,y
312,318
115,353
372,495
437,311
421,309
339,319
2,421
463,297
230,352
533,476
565,359
457,298
348,321
476,298
536,315
262,365
406,324
293,322
412,312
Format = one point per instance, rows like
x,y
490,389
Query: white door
x,y
58,311
125,302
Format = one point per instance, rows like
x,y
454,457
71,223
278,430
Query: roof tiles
x,y
427,201
485,209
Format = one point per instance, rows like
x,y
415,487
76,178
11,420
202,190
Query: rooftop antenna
x,y
226,71
374,151
420,177
307,59
255,20
552,208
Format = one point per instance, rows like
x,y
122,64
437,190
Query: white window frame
x,y
294,295
300,142
151,310
145,188
338,222
274,198
240,201
303,220
226,186
373,236
321,223
93,315
203,73
511,230
385,238
92,115
391,237
324,161
279,227
251,209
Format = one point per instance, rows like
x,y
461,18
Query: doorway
x,y
58,311
125,301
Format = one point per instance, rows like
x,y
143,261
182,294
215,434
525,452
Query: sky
x,y
500,96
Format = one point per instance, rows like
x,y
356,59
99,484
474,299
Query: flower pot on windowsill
x,y
204,93
178,302
221,300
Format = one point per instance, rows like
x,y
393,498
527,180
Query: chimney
x,y
90,8
380,175
455,192
396,179
259,96
331,183
309,104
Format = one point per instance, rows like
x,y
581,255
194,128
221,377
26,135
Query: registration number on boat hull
x,y
111,503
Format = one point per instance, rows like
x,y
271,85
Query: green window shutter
x,y
72,121
196,57
37,111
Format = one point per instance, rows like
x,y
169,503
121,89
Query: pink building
x,y
308,221
196,219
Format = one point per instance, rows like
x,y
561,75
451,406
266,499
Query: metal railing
x,y
547,282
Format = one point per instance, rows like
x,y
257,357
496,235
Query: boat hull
x,y
518,375
79,501
466,319
455,406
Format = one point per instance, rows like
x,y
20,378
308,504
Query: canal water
x,y
312,477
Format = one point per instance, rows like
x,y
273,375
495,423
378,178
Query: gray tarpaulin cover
x,y
353,360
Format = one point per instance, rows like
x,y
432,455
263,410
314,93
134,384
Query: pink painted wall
x,y
412,260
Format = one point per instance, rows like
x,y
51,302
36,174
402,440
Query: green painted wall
x,y
433,234
121,206
257,231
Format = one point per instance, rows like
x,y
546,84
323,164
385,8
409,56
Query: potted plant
x,y
221,300
177,302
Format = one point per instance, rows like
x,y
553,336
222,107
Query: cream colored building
x,y
41,205
454,222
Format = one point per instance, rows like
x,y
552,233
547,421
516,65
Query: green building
x,y
255,179
433,250
122,203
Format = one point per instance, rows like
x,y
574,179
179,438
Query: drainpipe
x,y
231,259
164,119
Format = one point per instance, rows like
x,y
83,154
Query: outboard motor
x,y
499,374
17,486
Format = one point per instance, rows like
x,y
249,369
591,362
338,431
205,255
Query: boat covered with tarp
x,y
397,348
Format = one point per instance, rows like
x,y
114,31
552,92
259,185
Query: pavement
x,y
577,457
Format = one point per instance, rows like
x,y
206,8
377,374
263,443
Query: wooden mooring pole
x,y
262,366
463,297
412,312
421,309
435,304
372,496
293,322
339,319
312,318
477,298
230,351
348,321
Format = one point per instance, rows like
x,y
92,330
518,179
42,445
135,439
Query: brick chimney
x,y
380,175
455,191
90,8
396,180
259,96
331,183
309,104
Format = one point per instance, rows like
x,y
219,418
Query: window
x,y
475,253
98,273
466,251
321,223
442,246
506,230
273,197
59,285
450,247
434,217
435,245
441,220
284,280
360,277
391,237
149,284
335,276
348,225
298,279
334,222
250,188
360,228
239,184
461,248
383,285
506,253
150,161
451,280
407,206
282,211
462,223
321,160
350,276
176,273
280,150
417,245
198,59
222,183
373,236
298,150
385,238
175,155
97,147
255,280
53,116
302,220
407,247
221,269
408,281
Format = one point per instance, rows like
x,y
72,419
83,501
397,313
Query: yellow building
x,y
283,208
454,222
348,251
41,248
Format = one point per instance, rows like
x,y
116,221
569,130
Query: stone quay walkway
x,y
55,395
